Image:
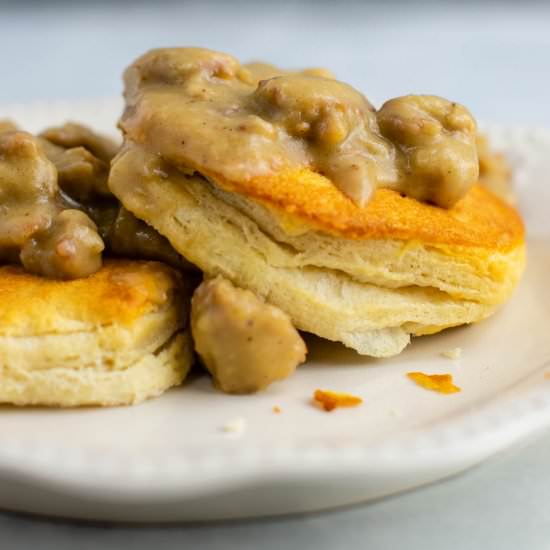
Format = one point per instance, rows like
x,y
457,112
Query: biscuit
x,y
369,277
117,337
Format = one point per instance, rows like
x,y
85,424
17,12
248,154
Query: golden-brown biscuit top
x,y
121,292
305,198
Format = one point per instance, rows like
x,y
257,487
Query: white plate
x,y
169,458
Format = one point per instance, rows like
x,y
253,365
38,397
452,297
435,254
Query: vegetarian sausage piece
x,y
245,343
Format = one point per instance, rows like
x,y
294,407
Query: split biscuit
x,y
370,277
117,337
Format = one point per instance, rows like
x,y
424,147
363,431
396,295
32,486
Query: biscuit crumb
x,y
235,426
442,383
276,409
329,400
455,353
547,375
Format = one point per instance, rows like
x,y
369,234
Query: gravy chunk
x,y
245,343
28,191
69,248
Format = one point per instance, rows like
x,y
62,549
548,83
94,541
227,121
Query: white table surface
x,y
493,57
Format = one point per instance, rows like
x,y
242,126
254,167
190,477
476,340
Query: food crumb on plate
x,y
442,383
330,400
455,353
276,409
236,426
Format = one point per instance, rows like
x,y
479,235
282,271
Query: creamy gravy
x,y
203,111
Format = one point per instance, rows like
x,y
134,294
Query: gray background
x,y
493,56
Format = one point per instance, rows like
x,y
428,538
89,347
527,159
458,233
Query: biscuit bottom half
x,y
370,293
117,337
